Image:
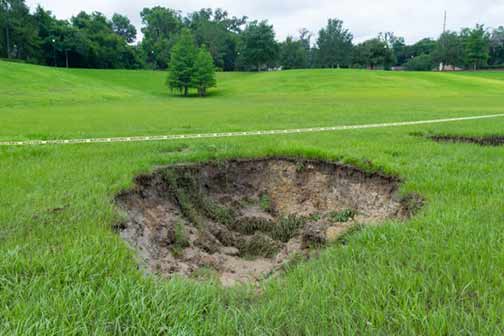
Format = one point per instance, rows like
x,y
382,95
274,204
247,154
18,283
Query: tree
x,y
334,45
293,54
182,63
420,63
497,46
373,53
218,32
397,45
122,26
18,36
449,50
106,49
424,46
476,44
305,37
162,26
258,46
203,72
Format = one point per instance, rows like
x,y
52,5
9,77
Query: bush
x,y
423,62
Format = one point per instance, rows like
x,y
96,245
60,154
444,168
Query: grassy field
x,y
63,271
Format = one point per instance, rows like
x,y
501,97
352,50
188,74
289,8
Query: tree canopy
x,y
182,63
92,40
204,72
258,49
334,45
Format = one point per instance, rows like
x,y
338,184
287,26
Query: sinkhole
x,y
244,220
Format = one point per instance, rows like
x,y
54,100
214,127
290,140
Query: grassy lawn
x,y
64,271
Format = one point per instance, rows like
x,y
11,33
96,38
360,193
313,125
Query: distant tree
x,y
374,53
398,47
293,54
204,72
18,36
219,33
123,27
106,48
449,50
334,45
476,44
496,54
424,46
305,37
162,26
420,63
258,48
182,61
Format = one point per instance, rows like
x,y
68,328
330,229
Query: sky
x,y
413,19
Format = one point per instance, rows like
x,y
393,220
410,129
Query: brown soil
x,y
493,140
244,219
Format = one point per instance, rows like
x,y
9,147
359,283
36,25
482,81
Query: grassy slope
x,y
46,102
63,270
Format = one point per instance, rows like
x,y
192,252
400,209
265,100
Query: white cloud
x,y
365,18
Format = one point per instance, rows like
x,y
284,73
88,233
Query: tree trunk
x,y
186,91
7,39
66,58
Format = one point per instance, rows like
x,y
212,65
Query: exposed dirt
x,y
493,140
244,219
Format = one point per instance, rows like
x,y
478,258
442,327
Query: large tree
x,y
422,62
181,65
476,44
19,37
258,49
425,46
162,26
106,48
218,32
123,27
373,53
397,45
449,50
334,45
497,46
293,54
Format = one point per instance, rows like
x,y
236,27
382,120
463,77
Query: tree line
x,y
92,40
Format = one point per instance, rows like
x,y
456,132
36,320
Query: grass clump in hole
x,y
180,240
342,216
286,227
249,225
259,245
265,203
178,188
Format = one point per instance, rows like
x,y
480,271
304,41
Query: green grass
x,y
63,270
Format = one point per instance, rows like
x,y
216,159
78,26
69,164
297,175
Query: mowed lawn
x,y
63,270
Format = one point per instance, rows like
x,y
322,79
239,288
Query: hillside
x,y
43,102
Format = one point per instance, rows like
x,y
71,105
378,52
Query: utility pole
x,y
442,65
444,23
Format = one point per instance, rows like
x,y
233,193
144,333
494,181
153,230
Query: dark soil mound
x,y
493,140
243,219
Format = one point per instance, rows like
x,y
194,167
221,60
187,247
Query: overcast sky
x,y
413,19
